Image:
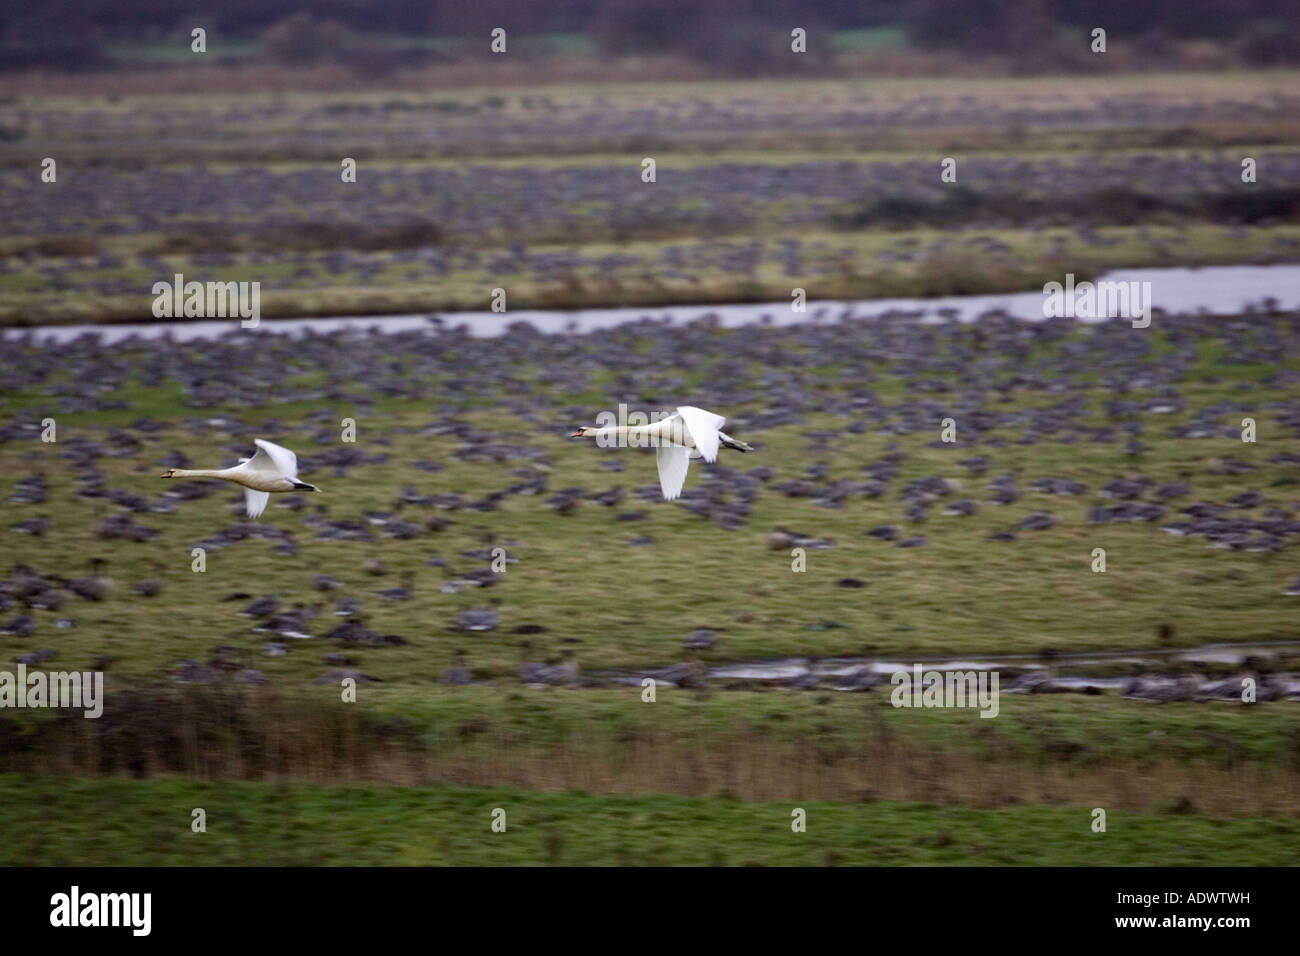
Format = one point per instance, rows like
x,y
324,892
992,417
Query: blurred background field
x,y
773,171
761,186
461,450
1131,444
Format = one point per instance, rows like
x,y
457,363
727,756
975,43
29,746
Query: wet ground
x,y
1218,290
1084,672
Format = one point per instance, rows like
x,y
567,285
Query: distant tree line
x,y
68,32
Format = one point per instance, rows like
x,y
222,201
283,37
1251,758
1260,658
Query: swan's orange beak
x,y
167,473
577,434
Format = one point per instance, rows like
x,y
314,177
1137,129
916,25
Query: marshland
x,y
497,595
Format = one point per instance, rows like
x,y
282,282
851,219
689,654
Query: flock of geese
x,y
687,433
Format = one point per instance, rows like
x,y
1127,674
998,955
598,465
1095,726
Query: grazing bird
x,y
95,587
477,620
459,674
50,600
687,433
272,469
149,587
1038,521
701,639
863,678
690,674
21,626
403,593
530,672
26,583
565,673
262,607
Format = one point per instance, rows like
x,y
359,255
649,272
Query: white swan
x,y
687,433
272,468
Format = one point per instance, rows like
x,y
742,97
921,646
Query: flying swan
x,y
687,433
272,468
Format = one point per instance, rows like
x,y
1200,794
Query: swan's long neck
x,y
202,473
661,431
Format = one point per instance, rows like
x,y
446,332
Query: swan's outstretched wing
x,y
255,502
704,427
274,459
673,461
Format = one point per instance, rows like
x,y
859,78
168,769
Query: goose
x,y
700,640
262,607
566,672
50,600
477,620
402,593
21,626
95,587
691,674
272,468
862,679
458,674
150,587
530,672
687,433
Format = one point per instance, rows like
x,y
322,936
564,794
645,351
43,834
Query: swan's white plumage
x,y
687,433
702,429
274,459
271,463
272,468
673,462
255,501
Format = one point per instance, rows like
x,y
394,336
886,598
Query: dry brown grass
x,y
223,733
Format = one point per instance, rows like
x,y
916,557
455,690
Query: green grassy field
x,y
578,584
853,265
119,822
576,576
